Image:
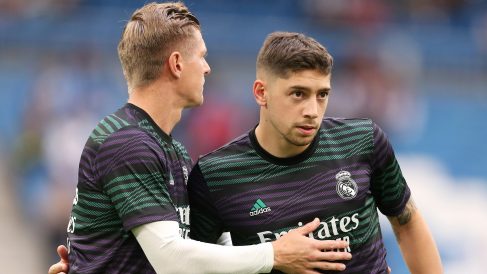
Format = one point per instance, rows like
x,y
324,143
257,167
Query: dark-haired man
x,y
296,165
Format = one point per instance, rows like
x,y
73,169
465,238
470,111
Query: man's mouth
x,y
307,129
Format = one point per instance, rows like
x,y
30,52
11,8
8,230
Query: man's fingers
x,y
333,256
309,227
332,245
62,266
322,245
62,251
312,255
328,266
310,272
59,268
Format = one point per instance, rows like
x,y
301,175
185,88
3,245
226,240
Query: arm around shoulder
x,y
169,253
293,253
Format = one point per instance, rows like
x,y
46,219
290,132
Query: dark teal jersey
x,y
130,173
347,172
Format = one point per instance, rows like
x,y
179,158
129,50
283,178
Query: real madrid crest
x,y
346,186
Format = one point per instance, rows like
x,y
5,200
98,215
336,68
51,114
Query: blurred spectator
x,y
380,83
57,117
360,15
214,124
17,9
479,33
439,11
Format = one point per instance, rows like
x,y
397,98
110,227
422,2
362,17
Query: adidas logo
x,y
258,208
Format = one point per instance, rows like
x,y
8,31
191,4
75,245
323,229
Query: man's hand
x,y
62,266
296,253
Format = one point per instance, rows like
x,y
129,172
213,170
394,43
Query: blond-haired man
x,y
130,212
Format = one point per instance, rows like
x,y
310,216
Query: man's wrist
x,y
269,257
276,262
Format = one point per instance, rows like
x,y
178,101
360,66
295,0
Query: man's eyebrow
x,y
307,88
299,87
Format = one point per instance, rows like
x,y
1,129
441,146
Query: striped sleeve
x,y
388,185
134,178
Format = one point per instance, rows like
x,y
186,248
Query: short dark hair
x,y
150,35
284,52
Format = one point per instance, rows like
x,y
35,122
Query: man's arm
x,y
415,241
294,252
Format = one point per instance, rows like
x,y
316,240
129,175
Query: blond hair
x,y
153,32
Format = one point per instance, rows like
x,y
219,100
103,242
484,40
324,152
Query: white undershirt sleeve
x,y
168,252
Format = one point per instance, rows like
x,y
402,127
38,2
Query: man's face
x,y
295,107
195,70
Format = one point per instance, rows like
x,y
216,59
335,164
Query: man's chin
x,y
193,104
301,142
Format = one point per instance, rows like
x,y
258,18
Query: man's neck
x,y
159,102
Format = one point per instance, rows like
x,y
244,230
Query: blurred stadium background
x,y
417,67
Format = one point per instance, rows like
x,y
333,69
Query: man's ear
x,y
175,64
260,93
